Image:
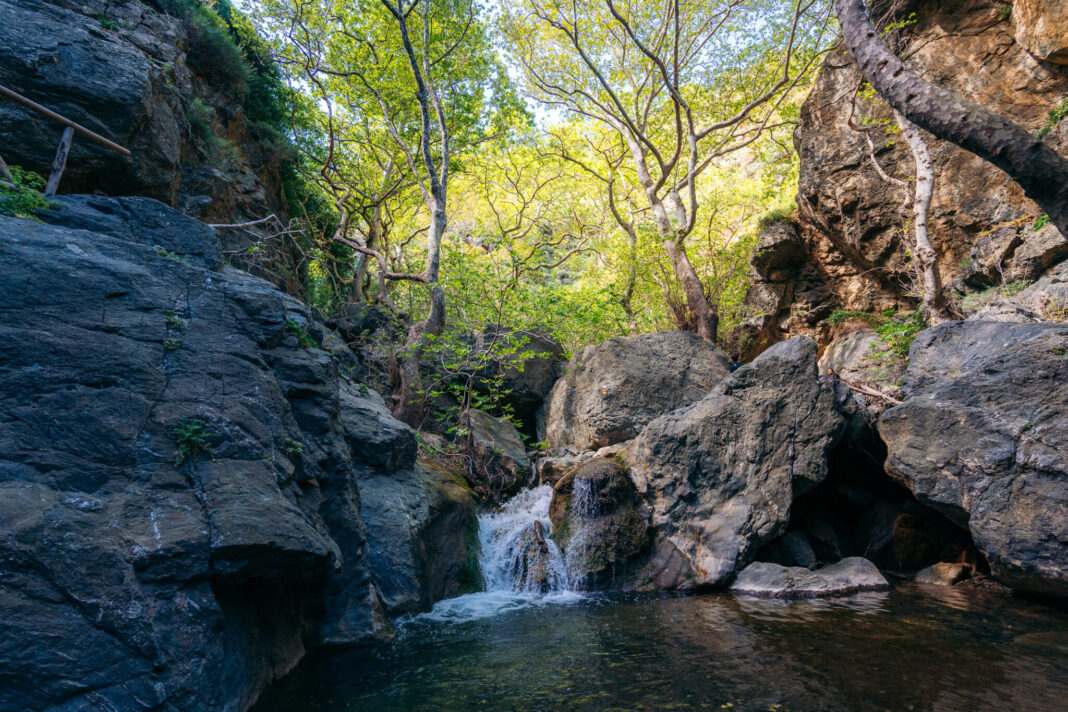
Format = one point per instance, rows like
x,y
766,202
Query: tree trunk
x,y
408,397
924,253
706,318
1040,171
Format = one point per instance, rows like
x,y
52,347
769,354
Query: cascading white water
x,y
582,510
516,556
521,566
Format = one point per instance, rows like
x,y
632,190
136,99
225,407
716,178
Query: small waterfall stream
x,y
521,565
517,553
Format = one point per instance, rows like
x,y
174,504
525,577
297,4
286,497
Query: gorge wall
x,y
847,246
172,88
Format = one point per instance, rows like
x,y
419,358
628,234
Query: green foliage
x,y
170,255
192,439
294,448
304,339
105,22
1005,11
472,375
24,200
174,321
895,329
172,344
200,117
1055,117
1042,221
971,303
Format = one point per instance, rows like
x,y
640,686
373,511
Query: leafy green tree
x,y
681,86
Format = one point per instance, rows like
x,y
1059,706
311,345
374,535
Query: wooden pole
x,y
19,98
60,162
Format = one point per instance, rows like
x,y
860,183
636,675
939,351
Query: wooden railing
x,y
60,161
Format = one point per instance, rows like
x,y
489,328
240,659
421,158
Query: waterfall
x,y
521,565
582,510
517,553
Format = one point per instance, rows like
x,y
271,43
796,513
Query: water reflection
x,y
906,649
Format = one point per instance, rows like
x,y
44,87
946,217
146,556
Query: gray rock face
x,y
127,580
70,63
983,437
861,356
610,391
720,475
422,536
161,88
501,467
774,581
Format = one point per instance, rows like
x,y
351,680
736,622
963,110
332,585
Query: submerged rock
x,y
774,581
983,437
943,573
720,475
610,391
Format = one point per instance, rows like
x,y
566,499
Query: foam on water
x,y
509,580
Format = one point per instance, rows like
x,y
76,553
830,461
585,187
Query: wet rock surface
x,y
610,391
597,523
180,513
982,437
719,476
774,581
422,535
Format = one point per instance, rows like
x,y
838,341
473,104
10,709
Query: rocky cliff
x,y
185,459
163,78
847,247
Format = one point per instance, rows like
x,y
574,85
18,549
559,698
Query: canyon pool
x,y
911,648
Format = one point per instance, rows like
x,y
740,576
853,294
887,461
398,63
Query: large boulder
x,y
422,533
499,464
719,476
596,523
610,391
179,453
847,576
983,437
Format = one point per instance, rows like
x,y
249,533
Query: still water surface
x,y
910,649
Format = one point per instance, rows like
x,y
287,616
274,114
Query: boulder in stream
x,y
719,476
610,391
849,575
597,524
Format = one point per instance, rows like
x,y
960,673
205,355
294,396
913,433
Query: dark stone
x,y
127,580
596,523
983,437
422,536
719,476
